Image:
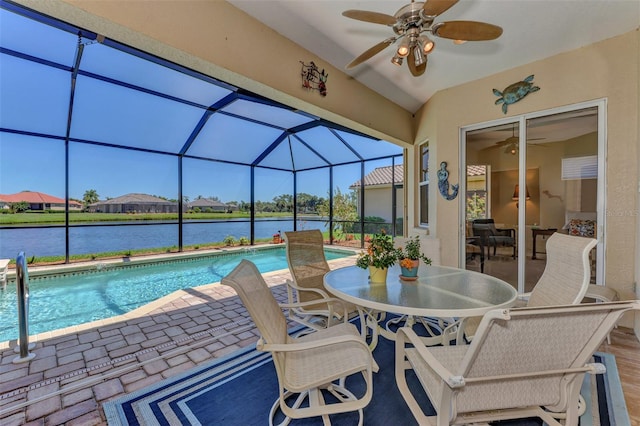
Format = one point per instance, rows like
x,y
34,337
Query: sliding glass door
x,y
526,178
491,216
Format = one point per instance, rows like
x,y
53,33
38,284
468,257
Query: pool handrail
x,y
22,290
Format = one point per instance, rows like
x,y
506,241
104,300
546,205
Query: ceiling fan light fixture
x,y
410,22
397,60
426,44
419,56
404,47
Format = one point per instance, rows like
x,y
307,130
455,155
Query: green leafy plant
x,y
380,252
411,252
229,240
244,241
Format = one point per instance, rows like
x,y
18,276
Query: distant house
x,y
377,187
134,203
37,201
207,205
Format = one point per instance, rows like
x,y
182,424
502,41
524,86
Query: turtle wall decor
x,y
515,92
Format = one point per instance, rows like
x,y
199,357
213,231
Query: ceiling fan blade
x,y
467,30
416,71
511,140
372,51
436,7
367,16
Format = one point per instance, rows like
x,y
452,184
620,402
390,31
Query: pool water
x,y
71,299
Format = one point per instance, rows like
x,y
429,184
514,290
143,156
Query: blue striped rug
x,y
240,389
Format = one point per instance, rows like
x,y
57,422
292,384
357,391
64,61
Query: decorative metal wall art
x,y
515,92
313,78
443,183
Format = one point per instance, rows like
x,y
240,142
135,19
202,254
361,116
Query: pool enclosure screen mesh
x,y
81,112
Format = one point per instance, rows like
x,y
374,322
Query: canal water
x,y
115,237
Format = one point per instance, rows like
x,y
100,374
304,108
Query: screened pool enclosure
x,y
163,156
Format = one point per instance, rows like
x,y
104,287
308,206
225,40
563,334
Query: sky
x,y
35,98
114,172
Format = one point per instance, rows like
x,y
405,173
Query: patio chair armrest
x,y
330,301
322,293
303,346
504,231
407,335
592,368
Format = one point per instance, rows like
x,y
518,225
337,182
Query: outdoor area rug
x,y
240,389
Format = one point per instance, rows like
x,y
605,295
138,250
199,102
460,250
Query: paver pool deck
x,y
79,368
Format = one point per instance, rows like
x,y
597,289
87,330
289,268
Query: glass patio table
x,y
440,292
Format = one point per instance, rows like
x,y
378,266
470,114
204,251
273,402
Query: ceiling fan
x,y
410,23
511,143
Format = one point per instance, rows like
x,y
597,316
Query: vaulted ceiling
x,y
533,30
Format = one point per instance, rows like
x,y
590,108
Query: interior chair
x,y
565,280
474,246
307,367
307,265
491,236
523,362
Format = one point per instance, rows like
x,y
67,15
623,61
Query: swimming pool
x,y
105,291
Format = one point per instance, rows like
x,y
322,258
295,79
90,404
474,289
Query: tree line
x,y
306,203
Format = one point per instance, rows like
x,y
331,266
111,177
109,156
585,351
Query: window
x,y
580,167
424,184
477,191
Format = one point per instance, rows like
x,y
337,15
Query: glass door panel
x,y
562,180
527,180
491,214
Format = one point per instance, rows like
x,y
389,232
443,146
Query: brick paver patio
x,y
78,369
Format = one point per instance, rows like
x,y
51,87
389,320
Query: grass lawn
x,y
78,217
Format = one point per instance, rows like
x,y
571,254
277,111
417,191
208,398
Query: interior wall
x,y
217,39
608,69
503,207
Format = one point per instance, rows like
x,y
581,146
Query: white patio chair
x,y
307,264
565,279
523,362
308,365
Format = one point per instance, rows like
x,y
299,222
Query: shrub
x,y
373,225
229,240
244,241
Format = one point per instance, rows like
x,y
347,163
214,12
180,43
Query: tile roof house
x,y
38,201
382,176
378,193
207,204
135,203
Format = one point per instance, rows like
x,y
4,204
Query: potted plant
x,y
277,238
410,257
378,257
